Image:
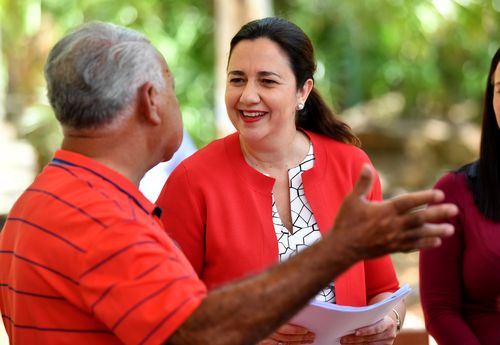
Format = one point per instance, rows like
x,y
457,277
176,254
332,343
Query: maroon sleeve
x,y
440,279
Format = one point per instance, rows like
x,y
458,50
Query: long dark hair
x,y
486,188
316,115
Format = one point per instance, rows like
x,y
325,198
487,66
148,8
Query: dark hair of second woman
x,y
316,115
487,193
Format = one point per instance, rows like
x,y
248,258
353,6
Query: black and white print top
x,y
305,229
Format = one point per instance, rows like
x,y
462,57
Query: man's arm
x,y
247,311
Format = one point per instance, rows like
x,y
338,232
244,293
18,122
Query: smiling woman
x,y
266,192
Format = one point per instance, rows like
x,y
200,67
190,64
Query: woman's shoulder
x,y
209,155
469,171
207,164
457,181
337,148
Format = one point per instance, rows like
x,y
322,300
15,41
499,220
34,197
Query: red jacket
x,y
218,209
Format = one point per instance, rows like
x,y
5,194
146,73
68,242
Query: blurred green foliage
x,y
181,30
434,52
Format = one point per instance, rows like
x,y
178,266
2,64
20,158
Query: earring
x,y
300,106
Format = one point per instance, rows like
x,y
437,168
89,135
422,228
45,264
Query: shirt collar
x,y
116,179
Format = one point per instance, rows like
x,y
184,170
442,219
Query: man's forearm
x,y
247,311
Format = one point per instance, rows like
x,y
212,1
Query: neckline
x,y
253,164
263,184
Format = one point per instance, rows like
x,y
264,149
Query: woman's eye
x,y
268,81
235,80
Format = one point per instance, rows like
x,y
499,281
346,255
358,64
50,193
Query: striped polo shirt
x,y
84,260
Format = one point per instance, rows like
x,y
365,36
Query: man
x,y
83,257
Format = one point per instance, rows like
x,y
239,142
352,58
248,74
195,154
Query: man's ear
x,y
148,103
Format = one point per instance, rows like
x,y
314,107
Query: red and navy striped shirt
x,y
84,260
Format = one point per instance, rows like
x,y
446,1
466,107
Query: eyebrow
x,y
260,74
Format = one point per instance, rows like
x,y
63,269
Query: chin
x,y
169,152
171,148
167,157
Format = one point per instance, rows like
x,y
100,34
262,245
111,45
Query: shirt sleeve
x,y
440,280
138,283
380,276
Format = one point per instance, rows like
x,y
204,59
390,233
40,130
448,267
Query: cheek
x,y
231,98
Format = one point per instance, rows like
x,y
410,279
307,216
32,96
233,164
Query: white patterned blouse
x,y
305,229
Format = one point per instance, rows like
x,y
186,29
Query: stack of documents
x,y
331,321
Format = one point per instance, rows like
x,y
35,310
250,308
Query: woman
x,y
265,192
460,281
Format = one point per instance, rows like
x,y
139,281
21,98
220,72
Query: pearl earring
x,y
300,106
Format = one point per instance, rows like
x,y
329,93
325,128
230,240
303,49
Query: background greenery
x,y
433,54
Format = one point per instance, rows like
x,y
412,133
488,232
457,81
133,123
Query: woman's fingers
x,y
290,334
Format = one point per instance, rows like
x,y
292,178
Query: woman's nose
x,y
250,94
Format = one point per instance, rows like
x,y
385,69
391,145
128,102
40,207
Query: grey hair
x,y
94,72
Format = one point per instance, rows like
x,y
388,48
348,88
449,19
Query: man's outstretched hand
x,y
402,224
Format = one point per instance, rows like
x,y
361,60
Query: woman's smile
x,y
250,116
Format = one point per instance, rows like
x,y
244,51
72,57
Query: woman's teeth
x,y
253,114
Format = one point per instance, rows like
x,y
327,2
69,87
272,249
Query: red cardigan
x,y
218,209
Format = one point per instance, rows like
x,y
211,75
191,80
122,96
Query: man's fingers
x,y
437,213
413,200
430,230
431,214
365,181
426,236
423,243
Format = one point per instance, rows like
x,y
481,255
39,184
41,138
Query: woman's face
x,y
496,94
261,94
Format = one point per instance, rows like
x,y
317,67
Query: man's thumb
x,y
365,181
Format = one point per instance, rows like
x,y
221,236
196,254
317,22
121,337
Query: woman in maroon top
x,y
460,281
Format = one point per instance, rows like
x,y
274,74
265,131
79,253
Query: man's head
x,y
94,72
108,82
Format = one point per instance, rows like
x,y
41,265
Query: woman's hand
x,y
382,332
289,334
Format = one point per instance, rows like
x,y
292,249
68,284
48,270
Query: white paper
x,y
331,321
